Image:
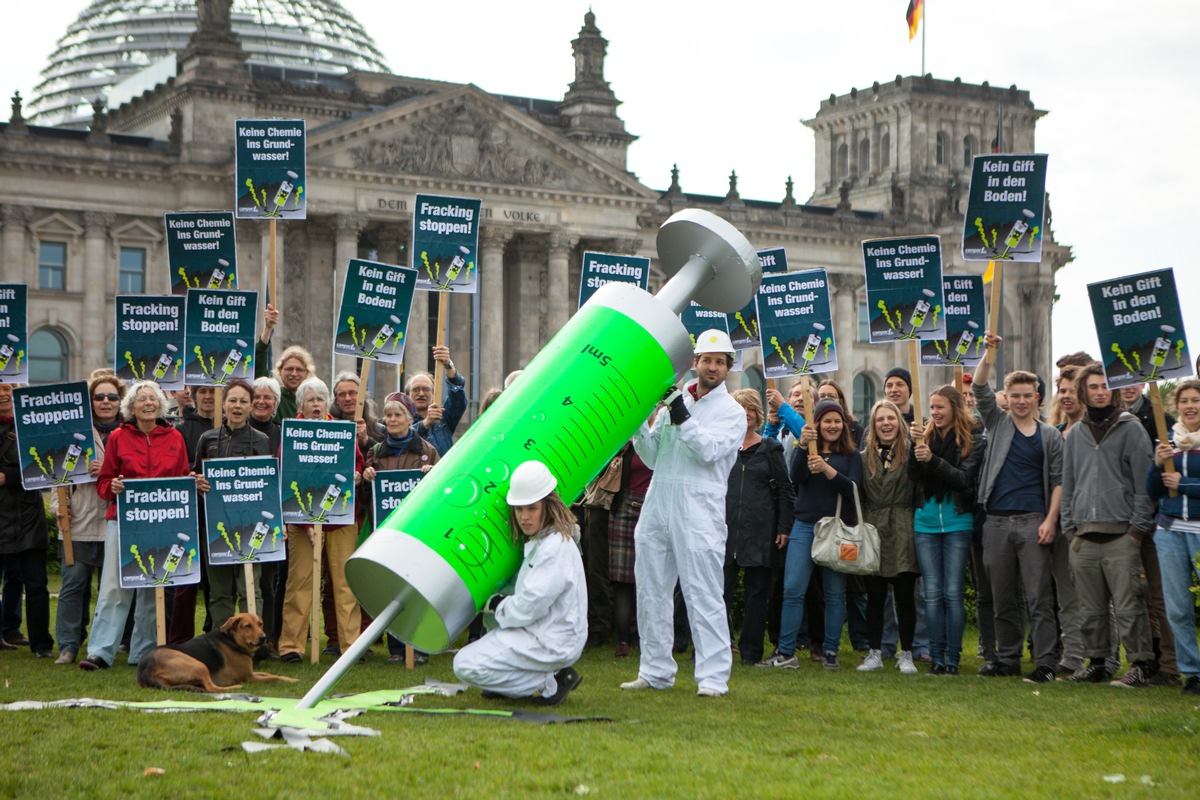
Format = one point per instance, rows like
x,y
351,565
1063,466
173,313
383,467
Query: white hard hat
x,y
713,341
531,482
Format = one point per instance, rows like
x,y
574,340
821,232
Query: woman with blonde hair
x,y
889,488
949,454
542,627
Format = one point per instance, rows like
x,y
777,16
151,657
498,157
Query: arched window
x,y
843,161
885,151
48,357
940,149
968,150
864,396
864,156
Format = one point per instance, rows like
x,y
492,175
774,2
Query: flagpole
x,y
924,25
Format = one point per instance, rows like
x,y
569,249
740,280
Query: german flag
x,y
916,11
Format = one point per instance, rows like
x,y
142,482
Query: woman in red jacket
x,y
144,446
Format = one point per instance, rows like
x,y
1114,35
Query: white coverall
x,y
542,625
681,533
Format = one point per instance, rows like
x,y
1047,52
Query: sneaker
x,y
1192,685
1093,673
1135,678
1042,674
45,652
1161,678
568,681
937,670
286,658
996,669
16,639
636,685
622,650
872,663
951,669
830,662
707,691
904,663
924,658
1066,670
780,661
65,657
332,650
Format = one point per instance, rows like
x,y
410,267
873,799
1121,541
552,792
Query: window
x,y
133,270
864,396
864,155
864,323
843,161
885,151
940,148
47,357
968,151
52,266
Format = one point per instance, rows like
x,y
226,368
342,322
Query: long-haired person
x,y
948,455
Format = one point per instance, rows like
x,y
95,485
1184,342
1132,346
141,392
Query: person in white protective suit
x,y
542,627
681,532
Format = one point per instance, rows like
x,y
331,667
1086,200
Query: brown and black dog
x,y
220,661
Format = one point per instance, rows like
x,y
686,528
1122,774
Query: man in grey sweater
x,y
1106,513
1020,489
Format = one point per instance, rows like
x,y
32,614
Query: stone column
x,y
1037,303
93,327
14,265
416,352
492,366
346,229
844,299
530,293
558,283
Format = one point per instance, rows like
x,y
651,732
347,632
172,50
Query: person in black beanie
x,y
897,385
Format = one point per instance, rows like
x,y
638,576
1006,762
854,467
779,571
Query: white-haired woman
x,y
143,446
312,398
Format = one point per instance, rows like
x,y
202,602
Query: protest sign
x,y
904,288
157,533
149,339
14,333
388,489
965,315
601,268
797,326
698,319
270,174
219,333
1006,208
317,463
743,326
445,245
1140,327
55,440
242,514
373,317
201,250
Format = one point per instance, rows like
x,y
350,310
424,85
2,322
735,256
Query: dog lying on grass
x,y
220,661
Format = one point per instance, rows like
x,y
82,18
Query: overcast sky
x,y
723,86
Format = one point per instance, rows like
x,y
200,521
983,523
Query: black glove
x,y
493,603
679,412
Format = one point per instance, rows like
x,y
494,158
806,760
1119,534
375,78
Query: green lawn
x,y
805,733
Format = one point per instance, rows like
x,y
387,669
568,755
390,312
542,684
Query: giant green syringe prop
x,y
425,573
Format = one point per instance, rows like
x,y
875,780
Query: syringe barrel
x,y
448,547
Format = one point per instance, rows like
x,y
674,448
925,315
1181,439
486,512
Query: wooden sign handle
x,y
248,578
1160,424
64,525
315,622
914,369
997,268
439,371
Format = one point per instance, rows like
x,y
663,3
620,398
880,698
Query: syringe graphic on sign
x,y
964,342
424,573
920,311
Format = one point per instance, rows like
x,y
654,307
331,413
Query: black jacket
x,y
225,443
22,515
758,505
960,474
192,426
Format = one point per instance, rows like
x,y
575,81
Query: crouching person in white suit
x,y
542,627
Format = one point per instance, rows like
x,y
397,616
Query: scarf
x,y
1184,439
1101,420
398,446
945,448
105,428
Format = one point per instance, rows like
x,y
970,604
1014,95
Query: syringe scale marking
x,y
565,447
588,419
611,396
602,406
582,432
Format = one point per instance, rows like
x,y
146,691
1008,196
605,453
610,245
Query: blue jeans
x,y
1177,552
943,559
797,569
834,584
75,594
112,609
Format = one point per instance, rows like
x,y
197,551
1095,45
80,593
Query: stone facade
x,y
552,176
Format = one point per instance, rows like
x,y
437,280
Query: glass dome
x,y
114,40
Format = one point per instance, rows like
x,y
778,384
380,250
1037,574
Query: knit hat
x,y
827,407
404,400
902,374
